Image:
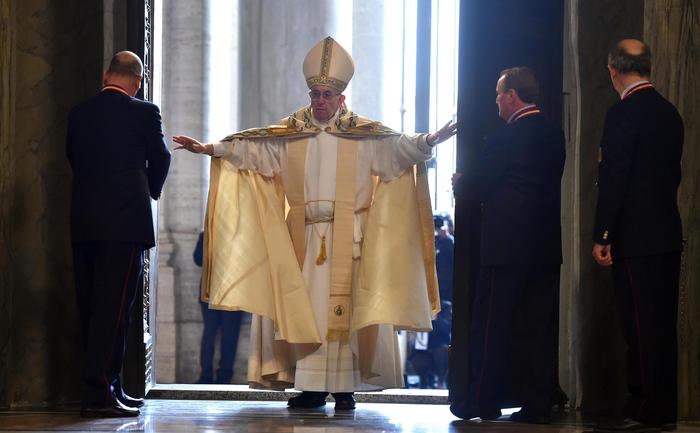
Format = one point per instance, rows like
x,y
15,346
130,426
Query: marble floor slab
x,y
206,416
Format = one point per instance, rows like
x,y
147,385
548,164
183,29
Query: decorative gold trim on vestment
x,y
326,81
340,302
326,58
300,125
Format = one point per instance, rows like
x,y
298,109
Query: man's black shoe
x,y
308,399
465,411
344,400
129,401
114,409
625,425
529,417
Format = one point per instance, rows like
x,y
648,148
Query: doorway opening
x,y
219,69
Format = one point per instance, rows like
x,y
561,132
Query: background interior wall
x,y
672,30
599,347
51,59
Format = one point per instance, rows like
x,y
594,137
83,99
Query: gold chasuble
x,y
253,260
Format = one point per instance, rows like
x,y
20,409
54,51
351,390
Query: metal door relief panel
x,y
138,374
150,272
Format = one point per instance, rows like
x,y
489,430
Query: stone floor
x,y
209,416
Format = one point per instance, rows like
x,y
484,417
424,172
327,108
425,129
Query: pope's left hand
x,y
442,134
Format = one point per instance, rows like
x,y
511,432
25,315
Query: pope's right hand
x,y
192,145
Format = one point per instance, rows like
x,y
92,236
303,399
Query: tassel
x,y
321,259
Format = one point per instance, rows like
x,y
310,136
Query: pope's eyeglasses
x,y
315,94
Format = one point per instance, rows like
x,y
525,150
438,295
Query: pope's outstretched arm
x,y
192,145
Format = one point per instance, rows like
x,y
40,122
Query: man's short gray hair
x,y
126,63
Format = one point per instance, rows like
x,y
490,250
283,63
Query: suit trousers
x,y
230,324
512,327
107,275
646,293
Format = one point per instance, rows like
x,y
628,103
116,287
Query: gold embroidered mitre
x,y
328,64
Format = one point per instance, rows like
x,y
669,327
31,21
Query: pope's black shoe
x,y
344,400
308,399
112,409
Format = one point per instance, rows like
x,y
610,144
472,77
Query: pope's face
x,y
325,101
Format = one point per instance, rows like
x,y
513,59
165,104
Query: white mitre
x,y
328,64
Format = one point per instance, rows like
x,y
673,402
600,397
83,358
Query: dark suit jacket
x,y
638,177
120,160
517,181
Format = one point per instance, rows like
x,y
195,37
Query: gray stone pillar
x,y
183,103
368,52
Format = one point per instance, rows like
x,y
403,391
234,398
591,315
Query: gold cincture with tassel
x,y
321,259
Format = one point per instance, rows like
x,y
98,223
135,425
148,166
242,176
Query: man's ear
x,y
613,72
341,99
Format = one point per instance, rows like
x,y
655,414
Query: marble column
x,y
183,102
367,86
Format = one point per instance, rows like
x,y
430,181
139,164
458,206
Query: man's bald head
x,y
631,56
125,71
126,63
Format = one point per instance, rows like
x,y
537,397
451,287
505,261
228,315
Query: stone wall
x,y
672,30
51,59
7,50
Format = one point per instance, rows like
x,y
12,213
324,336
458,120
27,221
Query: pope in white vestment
x,y
354,261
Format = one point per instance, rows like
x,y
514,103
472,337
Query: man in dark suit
x,y
119,159
638,231
516,183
